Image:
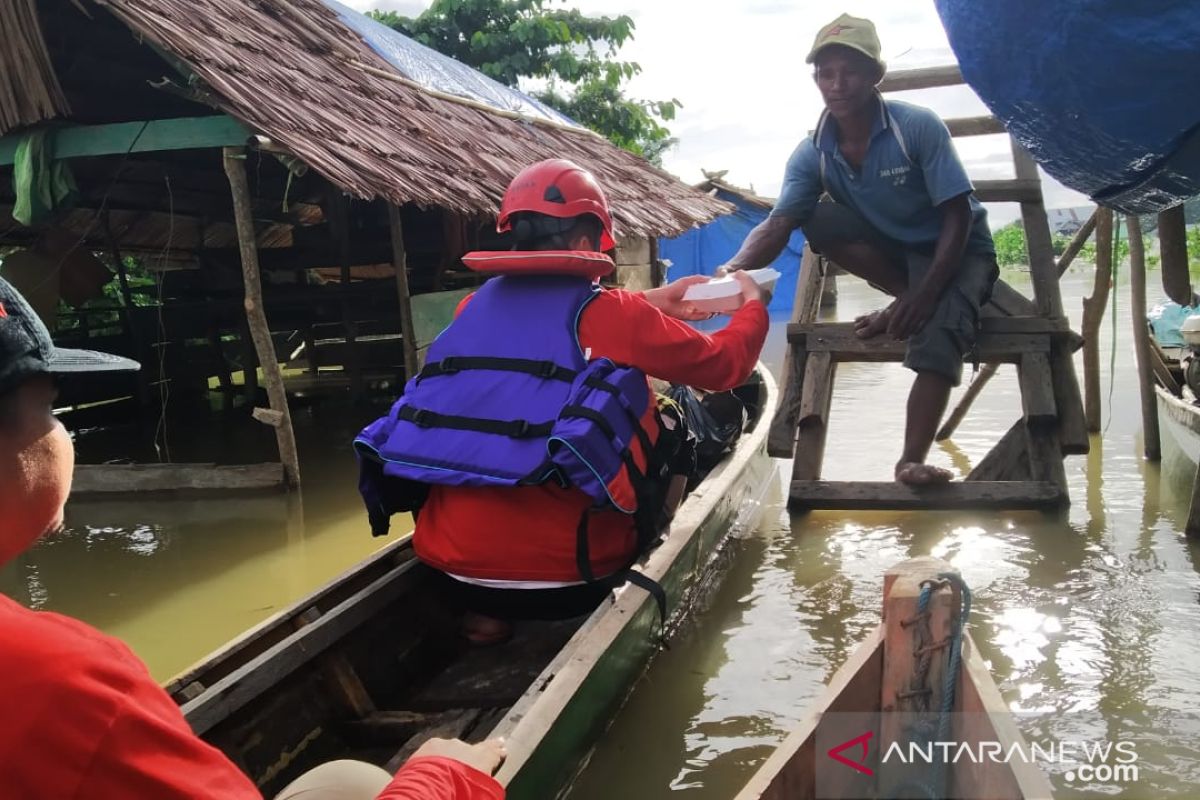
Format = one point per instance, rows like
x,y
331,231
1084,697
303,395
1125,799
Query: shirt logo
x,y
898,175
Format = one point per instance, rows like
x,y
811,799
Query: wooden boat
x,y
863,697
370,665
1180,423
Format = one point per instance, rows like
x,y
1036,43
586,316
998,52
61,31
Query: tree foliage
x,y
572,55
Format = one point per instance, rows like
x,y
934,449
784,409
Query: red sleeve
x,y
438,778
622,326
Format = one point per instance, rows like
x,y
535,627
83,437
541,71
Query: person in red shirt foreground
x,y
80,716
480,430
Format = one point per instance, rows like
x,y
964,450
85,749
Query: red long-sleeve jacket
x,y
528,533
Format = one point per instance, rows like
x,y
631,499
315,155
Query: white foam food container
x,y
724,295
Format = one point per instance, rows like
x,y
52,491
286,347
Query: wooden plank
x,y
1008,190
1037,390
1008,460
1162,371
1094,308
256,318
986,717
922,78
1009,302
781,441
1026,325
975,126
262,672
187,133
839,339
813,424
904,635
453,727
1173,250
339,673
1141,338
1077,243
123,479
1038,241
891,495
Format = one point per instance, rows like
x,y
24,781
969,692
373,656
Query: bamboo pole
x,y
1093,315
279,416
400,263
1172,243
986,373
1141,337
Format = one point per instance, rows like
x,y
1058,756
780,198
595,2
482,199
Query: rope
x,y
931,727
1112,353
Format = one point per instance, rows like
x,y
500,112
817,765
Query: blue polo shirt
x,y
910,168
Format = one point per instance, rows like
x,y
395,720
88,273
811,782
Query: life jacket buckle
x,y
446,366
421,418
547,369
520,428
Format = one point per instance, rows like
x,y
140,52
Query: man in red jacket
x,y
512,552
81,717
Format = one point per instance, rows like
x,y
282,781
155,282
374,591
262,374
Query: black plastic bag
x,y
716,422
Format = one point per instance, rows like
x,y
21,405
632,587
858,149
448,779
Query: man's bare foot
x,y
482,631
917,474
873,324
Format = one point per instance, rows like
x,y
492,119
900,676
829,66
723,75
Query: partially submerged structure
x,y
293,172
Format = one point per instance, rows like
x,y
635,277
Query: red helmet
x,y
557,188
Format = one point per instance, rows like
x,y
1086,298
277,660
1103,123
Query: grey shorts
x,y
950,334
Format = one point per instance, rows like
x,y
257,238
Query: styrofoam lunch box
x,y
724,295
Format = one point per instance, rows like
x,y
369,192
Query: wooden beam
x,y
1141,338
1037,390
1008,460
892,495
256,318
187,133
923,78
816,398
839,339
975,126
339,673
1009,190
400,264
781,441
1172,244
1077,243
118,479
265,670
986,373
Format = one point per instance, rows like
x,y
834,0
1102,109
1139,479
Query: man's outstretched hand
x,y
669,299
484,756
910,313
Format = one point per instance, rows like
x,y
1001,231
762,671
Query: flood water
x,y
1090,617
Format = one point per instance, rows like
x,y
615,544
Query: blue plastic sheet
x,y
441,73
701,250
1101,92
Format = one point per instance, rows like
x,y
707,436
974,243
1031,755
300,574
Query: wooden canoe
x,y
370,665
863,693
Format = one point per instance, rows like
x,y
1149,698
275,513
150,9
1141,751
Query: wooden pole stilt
x,y
986,373
400,263
1172,244
1093,315
781,441
1141,337
280,416
1081,237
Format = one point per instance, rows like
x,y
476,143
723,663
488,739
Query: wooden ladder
x,y
1025,469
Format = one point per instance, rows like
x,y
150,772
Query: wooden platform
x,y
100,480
958,496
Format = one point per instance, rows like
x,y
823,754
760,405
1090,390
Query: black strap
x,y
540,369
583,557
595,416
513,428
655,590
596,382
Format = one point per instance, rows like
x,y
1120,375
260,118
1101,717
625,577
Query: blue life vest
x,y
507,398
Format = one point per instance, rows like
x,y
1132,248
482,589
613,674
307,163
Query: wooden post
x,y
781,441
1141,337
1172,244
1042,267
400,263
338,207
657,274
256,318
816,398
904,688
1081,237
1093,315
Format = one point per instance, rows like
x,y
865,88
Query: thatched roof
x,y
715,182
293,70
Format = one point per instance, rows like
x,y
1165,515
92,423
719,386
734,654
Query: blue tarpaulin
x,y
701,250
1101,92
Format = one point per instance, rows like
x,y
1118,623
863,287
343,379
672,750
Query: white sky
x,y
748,97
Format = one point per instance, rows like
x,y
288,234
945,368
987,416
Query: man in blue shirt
x,y
902,217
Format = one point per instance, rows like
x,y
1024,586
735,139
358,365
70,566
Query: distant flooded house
x,y
284,181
